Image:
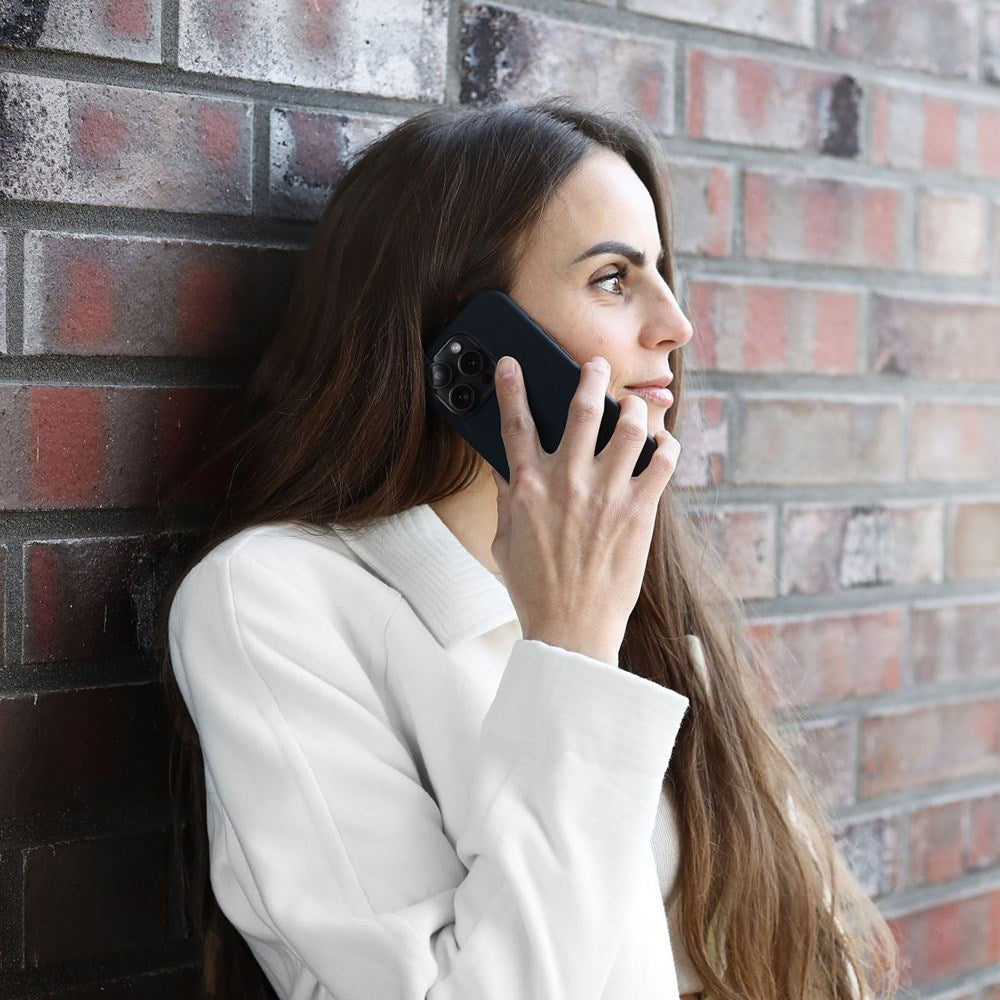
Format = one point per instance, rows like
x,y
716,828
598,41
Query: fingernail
x,y
505,367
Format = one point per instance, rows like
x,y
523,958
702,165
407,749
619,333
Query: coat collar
x,y
450,590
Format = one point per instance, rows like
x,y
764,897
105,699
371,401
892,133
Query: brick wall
x,y
836,170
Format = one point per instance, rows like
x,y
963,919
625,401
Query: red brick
x,y
520,55
395,51
748,326
936,843
975,540
983,849
806,441
310,150
952,235
100,446
703,206
826,659
702,437
120,29
955,641
744,539
734,97
94,144
913,748
100,295
94,898
951,938
828,758
933,337
75,750
938,36
821,220
785,20
955,441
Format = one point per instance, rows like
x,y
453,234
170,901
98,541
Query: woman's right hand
x,y
574,528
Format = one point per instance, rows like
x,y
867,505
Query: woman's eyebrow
x,y
632,255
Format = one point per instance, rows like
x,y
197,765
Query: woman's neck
x,y
471,516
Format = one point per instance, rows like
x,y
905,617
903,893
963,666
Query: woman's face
x,y
589,277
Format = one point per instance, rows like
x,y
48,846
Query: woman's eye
x,y
616,277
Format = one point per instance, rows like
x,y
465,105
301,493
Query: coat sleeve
x,y
329,855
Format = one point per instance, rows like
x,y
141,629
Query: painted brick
x,y
983,843
94,898
831,548
936,843
520,55
871,849
780,19
100,446
43,769
755,327
826,659
991,43
120,29
951,442
827,755
735,97
808,441
744,539
912,130
915,748
820,220
938,36
955,642
951,231
310,151
934,337
949,938
703,437
91,598
392,50
975,540
100,295
180,985
68,141
702,195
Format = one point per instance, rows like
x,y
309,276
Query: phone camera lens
x,y
470,363
440,374
462,398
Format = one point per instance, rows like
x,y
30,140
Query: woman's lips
x,y
652,394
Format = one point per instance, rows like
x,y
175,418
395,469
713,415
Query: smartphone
x,y
459,364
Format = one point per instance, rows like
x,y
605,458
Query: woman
x,y
448,736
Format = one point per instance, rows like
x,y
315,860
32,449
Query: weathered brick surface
x,y
937,36
936,848
822,220
975,540
100,446
950,938
919,747
787,21
94,898
830,548
88,748
955,441
828,757
310,152
68,141
935,337
522,55
818,660
392,50
951,642
872,850
983,845
991,43
745,538
3,292
702,194
734,97
744,326
913,130
951,230
115,295
814,441
120,29
703,438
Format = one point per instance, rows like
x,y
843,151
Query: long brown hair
x,y
335,428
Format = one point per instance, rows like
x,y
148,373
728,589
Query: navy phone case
x,y
459,365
